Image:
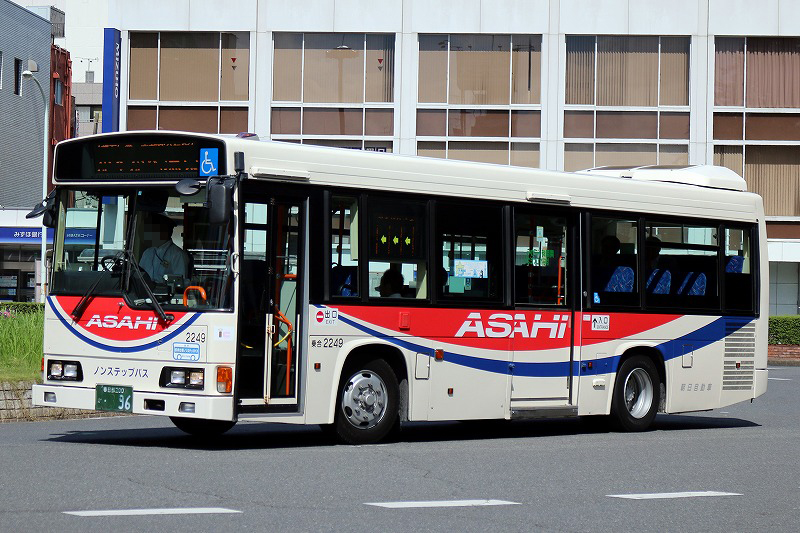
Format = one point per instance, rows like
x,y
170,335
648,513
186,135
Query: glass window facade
x,y
191,81
334,89
756,124
478,95
626,101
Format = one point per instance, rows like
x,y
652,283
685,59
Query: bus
x,y
233,279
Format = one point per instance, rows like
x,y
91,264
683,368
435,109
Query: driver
x,y
164,258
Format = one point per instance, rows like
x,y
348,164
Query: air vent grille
x,y
739,361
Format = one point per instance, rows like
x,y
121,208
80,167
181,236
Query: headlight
x,y
64,370
177,377
196,378
187,378
70,370
56,370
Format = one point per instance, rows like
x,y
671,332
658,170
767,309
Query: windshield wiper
x,y
77,313
128,254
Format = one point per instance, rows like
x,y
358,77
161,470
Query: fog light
x,y
177,377
70,370
50,397
56,369
196,378
186,407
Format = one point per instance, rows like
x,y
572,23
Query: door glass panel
x,y
540,259
284,300
253,301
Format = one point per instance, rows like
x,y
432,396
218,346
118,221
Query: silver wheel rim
x,y
638,393
364,399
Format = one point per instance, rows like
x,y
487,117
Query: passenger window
x,y
738,270
681,266
540,259
614,264
344,246
469,240
396,249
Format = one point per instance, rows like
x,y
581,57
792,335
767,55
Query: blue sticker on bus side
x,y
209,162
186,351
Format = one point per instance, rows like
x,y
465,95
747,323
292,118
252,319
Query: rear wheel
x,y
636,394
367,404
200,427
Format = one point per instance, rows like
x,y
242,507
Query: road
x,y
734,469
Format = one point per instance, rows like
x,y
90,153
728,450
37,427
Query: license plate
x,y
114,398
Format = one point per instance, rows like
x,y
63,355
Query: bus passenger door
x,y
283,312
542,339
270,289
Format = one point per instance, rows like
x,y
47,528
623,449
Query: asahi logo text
x,y
501,325
116,322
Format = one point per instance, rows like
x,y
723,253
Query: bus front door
x,y
270,288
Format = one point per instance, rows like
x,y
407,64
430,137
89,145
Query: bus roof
x,y
691,190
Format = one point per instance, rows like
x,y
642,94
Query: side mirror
x,y
49,219
46,207
220,200
188,186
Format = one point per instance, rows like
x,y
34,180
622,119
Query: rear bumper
x,y
760,382
208,407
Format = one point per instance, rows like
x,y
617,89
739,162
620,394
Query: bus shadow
x,y
252,436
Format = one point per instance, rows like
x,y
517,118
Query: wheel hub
x,y
364,399
639,393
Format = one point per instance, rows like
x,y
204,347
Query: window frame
x,y
642,219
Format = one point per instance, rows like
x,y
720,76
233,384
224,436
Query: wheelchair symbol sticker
x,y
209,161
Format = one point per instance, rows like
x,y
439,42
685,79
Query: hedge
x,y
21,307
784,329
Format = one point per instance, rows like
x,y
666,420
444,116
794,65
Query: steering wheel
x,y
111,263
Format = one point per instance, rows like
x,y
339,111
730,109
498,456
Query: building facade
x,y
24,36
556,84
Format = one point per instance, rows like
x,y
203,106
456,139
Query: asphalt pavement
x,y
732,469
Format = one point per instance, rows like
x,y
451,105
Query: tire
x,y
367,403
637,391
200,427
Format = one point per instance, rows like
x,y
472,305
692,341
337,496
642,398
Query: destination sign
x,y
136,157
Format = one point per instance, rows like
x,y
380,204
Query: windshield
x,y
104,236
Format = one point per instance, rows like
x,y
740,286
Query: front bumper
x,y
72,397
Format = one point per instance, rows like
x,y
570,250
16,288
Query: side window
x,y
738,270
681,266
614,263
469,245
540,259
396,249
344,246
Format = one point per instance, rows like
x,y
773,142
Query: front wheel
x,y
200,427
367,406
636,394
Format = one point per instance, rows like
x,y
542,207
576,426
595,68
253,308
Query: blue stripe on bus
x,y
121,349
700,338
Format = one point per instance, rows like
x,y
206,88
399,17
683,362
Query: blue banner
x,y
112,57
85,236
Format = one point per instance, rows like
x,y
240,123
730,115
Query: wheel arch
x,y
363,352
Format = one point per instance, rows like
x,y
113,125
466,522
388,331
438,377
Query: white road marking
x,y
780,379
140,512
672,495
441,503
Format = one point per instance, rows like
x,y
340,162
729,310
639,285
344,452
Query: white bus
x,y
234,279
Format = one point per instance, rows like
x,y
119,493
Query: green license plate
x,y
114,398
